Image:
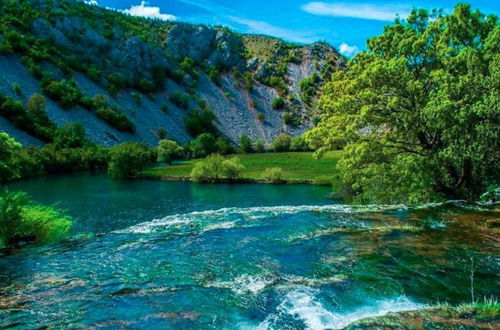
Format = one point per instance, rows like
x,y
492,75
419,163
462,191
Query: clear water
x,y
149,254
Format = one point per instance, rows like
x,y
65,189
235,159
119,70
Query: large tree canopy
x,y
417,113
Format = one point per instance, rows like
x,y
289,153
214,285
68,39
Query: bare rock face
x,y
217,47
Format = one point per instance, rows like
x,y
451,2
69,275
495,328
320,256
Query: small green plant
x,y
273,175
164,108
181,100
261,117
162,133
278,103
137,98
17,89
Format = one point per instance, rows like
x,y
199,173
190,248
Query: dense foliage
x,y
282,143
129,159
167,151
418,112
215,167
23,220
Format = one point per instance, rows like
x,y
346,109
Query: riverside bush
x,y
129,159
23,220
282,143
273,175
215,167
167,151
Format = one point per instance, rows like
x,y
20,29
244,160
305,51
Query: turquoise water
x,y
149,254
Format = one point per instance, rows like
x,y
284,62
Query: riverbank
x,y
298,167
468,316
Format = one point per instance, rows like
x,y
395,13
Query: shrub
x,y
290,120
162,133
278,103
299,144
282,143
36,103
117,80
117,119
246,144
260,146
187,65
8,148
215,168
261,117
214,75
36,124
181,100
200,121
308,87
167,151
17,89
145,86
203,145
71,135
137,98
164,108
65,92
223,146
232,168
23,220
129,159
274,175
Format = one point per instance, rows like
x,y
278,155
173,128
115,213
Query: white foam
x,y
302,304
245,284
250,213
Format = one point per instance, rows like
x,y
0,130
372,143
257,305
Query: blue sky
x,y
344,24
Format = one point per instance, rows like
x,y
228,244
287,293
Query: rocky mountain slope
x,y
129,78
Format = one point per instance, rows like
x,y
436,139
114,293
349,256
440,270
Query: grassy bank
x,y
468,316
298,167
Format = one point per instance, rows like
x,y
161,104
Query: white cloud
x,y
146,11
268,29
348,50
91,2
357,10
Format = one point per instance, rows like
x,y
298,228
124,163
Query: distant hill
x,y
129,78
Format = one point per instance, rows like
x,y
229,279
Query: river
x,y
152,254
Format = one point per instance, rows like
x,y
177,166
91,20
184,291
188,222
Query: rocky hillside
x,y
129,78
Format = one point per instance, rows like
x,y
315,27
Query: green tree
x,y
260,146
8,148
418,111
203,145
167,151
215,167
71,135
129,159
246,144
282,143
